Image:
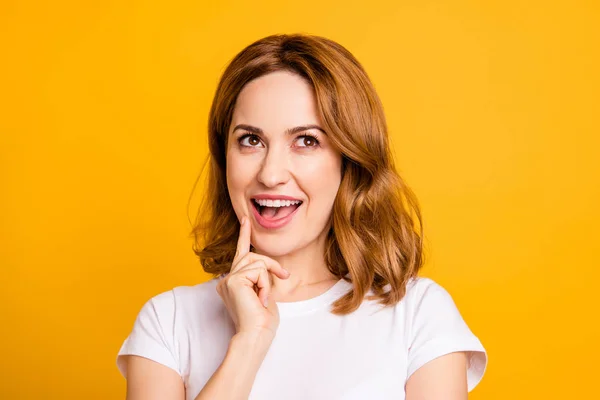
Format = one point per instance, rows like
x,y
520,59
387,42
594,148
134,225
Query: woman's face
x,y
269,157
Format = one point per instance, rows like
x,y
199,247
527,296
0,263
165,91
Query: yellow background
x,y
493,111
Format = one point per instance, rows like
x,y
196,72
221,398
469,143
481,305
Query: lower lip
x,y
275,223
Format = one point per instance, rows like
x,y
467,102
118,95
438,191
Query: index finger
x,y
243,244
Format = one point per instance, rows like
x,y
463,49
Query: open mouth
x,y
277,210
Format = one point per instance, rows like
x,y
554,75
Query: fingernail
x,y
287,272
243,221
266,301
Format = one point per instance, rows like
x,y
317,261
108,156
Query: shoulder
x,y
428,303
419,285
166,321
421,290
187,300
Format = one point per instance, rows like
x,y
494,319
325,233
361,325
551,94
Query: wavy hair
x,y
376,229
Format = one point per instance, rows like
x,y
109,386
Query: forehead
x,y
275,102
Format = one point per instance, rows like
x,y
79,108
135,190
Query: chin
x,y
273,251
275,247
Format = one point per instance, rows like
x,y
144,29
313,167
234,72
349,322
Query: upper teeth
x,y
276,203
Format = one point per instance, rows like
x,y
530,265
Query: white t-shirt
x,y
368,354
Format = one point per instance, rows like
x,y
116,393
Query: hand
x,y
245,290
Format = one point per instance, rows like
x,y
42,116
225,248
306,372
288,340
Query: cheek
x,y
320,177
238,176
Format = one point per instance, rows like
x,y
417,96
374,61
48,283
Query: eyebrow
x,y
290,131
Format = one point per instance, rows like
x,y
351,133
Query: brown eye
x,y
309,141
249,141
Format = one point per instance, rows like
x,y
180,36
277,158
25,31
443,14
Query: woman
x,y
315,243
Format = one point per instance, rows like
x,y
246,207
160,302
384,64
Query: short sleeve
x,y
152,335
437,328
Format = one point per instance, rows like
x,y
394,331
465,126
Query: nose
x,y
274,169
